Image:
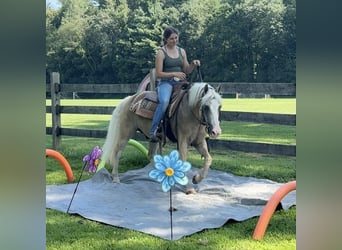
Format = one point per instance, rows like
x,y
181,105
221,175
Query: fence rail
x,y
279,89
227,88
281,119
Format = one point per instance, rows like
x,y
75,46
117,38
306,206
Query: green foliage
x,y
114,41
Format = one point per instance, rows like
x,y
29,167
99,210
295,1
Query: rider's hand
x,y
196,62
180,75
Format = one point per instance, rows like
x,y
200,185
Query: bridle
x,y
202,119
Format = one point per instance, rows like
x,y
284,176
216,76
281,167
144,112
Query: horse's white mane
x,y
195,94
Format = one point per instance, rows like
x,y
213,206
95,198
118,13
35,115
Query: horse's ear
x,y
206,88
218,89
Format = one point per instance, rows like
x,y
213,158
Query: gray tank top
x,y
173,64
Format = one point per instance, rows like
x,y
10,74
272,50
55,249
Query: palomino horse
x,y
196,116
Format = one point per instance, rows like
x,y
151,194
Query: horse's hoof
x,y
190,191
196,179
116,180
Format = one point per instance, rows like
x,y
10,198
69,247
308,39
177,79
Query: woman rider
x,y
171,66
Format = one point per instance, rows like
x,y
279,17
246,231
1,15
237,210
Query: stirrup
x,y
154,138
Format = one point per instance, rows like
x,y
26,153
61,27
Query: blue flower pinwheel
x,y
93,159
169,170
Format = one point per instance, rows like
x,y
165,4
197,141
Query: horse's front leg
x,y
183,150
202,148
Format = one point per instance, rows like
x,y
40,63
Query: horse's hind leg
x,y
115,161
120,145
154,148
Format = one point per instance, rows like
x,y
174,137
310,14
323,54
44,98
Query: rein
x,y
200,120
199,74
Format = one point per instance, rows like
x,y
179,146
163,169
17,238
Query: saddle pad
x,y
144,104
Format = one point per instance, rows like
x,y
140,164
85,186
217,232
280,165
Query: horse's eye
x,y
205,108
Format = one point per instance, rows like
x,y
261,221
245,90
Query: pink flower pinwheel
x,y
93,159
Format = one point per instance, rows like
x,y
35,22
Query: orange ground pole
x,y
61,159
270,207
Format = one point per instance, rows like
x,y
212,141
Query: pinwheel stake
x,y
169,170
92,161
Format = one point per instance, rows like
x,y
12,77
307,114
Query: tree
x,y
114,41
247,40
66,46
103,41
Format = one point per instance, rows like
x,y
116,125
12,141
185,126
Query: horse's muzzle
x,y
214,131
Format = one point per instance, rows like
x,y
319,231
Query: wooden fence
x,y
278,89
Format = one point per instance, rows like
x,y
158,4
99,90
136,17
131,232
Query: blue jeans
x,y
164,95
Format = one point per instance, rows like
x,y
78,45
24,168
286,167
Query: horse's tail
x,y
108,152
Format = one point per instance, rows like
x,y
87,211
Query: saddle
x,y
145,103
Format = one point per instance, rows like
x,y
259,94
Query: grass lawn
x,y
255,132
269,105
73,232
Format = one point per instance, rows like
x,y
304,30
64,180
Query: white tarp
x,y
139,203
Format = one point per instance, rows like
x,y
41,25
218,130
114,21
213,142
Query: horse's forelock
x,y
196,92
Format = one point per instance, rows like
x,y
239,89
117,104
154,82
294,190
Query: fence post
x,y
55,110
